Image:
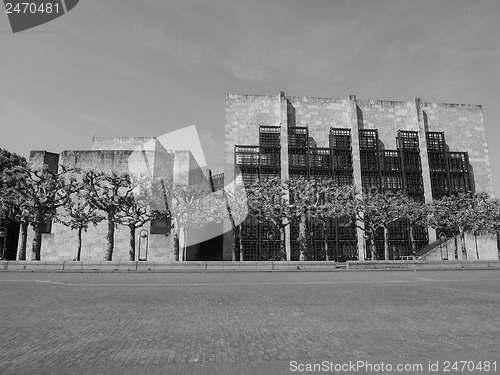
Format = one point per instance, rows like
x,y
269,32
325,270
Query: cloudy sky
x,y
144,68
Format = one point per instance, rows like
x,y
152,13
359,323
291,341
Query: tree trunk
x,y
235,240
37,240
131,251
110,237
412,241
78,254
386,243
242,250
462,239
475,241
302,237
282,244
371,239
176,246
21,247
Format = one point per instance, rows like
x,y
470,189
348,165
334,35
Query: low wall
x,y
105,266
423,264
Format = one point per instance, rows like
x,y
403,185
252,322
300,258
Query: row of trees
x,y
307,200
78,199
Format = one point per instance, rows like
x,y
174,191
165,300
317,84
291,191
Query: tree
x,y
107,192
8,209
378,210
189,208
235,199
415,212
79,214
460,213
40,191
269,201
140,207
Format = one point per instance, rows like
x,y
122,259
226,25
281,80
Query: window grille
x,y
368,139
344,178
246,155
437,162
217,181
298,159
340,139
320,158
414,182
408,140
298,173
251,250
390,160
248,176
346,230
439,183
266,174
250,228
398,230
369,160
435,141
298,137
392,181
459,182
319,175
347,250
458,161
270,158
412,161
370,180
269,136
342,160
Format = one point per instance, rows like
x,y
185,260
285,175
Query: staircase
x,y
445,242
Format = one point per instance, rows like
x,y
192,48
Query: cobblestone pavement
x,y
246,323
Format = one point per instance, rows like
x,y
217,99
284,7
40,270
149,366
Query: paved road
x,y
248,323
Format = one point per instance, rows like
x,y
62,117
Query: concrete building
x,y
132,155
427,149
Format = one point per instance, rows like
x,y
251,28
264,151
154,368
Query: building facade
x,y
427,149
133,155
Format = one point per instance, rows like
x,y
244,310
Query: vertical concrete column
x,y
352,120
424,159
284,158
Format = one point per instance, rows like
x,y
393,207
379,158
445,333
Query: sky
x,y
145,68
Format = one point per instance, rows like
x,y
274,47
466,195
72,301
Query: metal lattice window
x,y
437,162
408,140
343,178
435,141
249,176
340,139
342,160
369,160
269,136
370,180
368,139
298,137
217,181
439,183
414,182
319,175
270,157
412,161
267,174
390,160
347,250
458,161
398,230
392,181
246,155
320,158
459,182
251,250
298,159
346,230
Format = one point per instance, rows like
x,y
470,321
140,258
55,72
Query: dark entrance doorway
x,y
8,243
